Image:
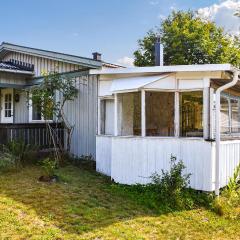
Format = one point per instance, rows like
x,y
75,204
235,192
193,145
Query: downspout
x,y
217,123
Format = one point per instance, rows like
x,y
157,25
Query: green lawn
x,y
84,206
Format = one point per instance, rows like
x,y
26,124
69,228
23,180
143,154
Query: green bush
x,y
171,185
227,204
7,160
21,151
167,192
15,154
49,166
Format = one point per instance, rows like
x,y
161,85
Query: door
x,y
7,106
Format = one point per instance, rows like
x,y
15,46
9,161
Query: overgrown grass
x,y
86,205
147,196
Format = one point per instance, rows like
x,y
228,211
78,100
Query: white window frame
x,y
31,114
100,99
230,97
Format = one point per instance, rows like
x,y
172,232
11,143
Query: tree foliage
x,y
50,96
188,39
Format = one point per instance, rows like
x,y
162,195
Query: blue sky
x,y
80,27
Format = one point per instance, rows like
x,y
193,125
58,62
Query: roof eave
x,y
163,69
85,62
16,71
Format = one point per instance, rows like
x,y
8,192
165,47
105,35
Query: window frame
x,y
230,97
31,120
100,120
179,103
176,92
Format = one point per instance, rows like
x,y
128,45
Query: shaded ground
x,y
83,206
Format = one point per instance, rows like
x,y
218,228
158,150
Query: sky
x,y
111,27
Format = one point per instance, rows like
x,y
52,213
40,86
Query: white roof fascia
x,y
166,69
16,71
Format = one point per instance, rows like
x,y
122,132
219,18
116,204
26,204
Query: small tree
x,y
51,96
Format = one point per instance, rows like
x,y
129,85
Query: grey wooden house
x,y
22,67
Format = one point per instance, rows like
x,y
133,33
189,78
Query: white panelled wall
x,y
131,160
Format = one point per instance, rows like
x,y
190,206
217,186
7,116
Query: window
x,y
8,105
225,118
191,114
235,115
159,114
230,114
35,112
107,116
130,113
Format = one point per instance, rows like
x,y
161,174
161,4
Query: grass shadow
x,y
83,201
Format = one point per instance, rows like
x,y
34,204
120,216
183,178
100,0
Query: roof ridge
x,y
45,50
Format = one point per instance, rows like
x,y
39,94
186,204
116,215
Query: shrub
x,y
15,154
171,185
7,160
227,204
21,151
167,192
49,167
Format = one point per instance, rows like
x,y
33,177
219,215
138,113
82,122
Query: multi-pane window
x,y
191,114
225,117
230,114
8,105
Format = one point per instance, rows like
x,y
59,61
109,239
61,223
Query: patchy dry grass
x,y
83,206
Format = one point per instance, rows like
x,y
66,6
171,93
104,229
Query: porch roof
x,y
166,69
134,83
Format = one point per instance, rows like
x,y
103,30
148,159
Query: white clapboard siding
x,y
42,64
135,159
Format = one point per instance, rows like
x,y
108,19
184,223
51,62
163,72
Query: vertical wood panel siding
x,y
82,114
21,108
11,78
229,159
104,154
134,159
42,64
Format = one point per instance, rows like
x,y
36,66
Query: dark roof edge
x,y
83,61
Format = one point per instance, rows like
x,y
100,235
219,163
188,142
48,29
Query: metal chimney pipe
x,y
158,52
97,56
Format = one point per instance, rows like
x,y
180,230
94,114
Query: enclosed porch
x,y
144,120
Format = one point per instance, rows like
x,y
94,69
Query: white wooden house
x,y
20,68
147,114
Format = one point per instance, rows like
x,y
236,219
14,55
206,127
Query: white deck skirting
x,y
229,159
131,160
